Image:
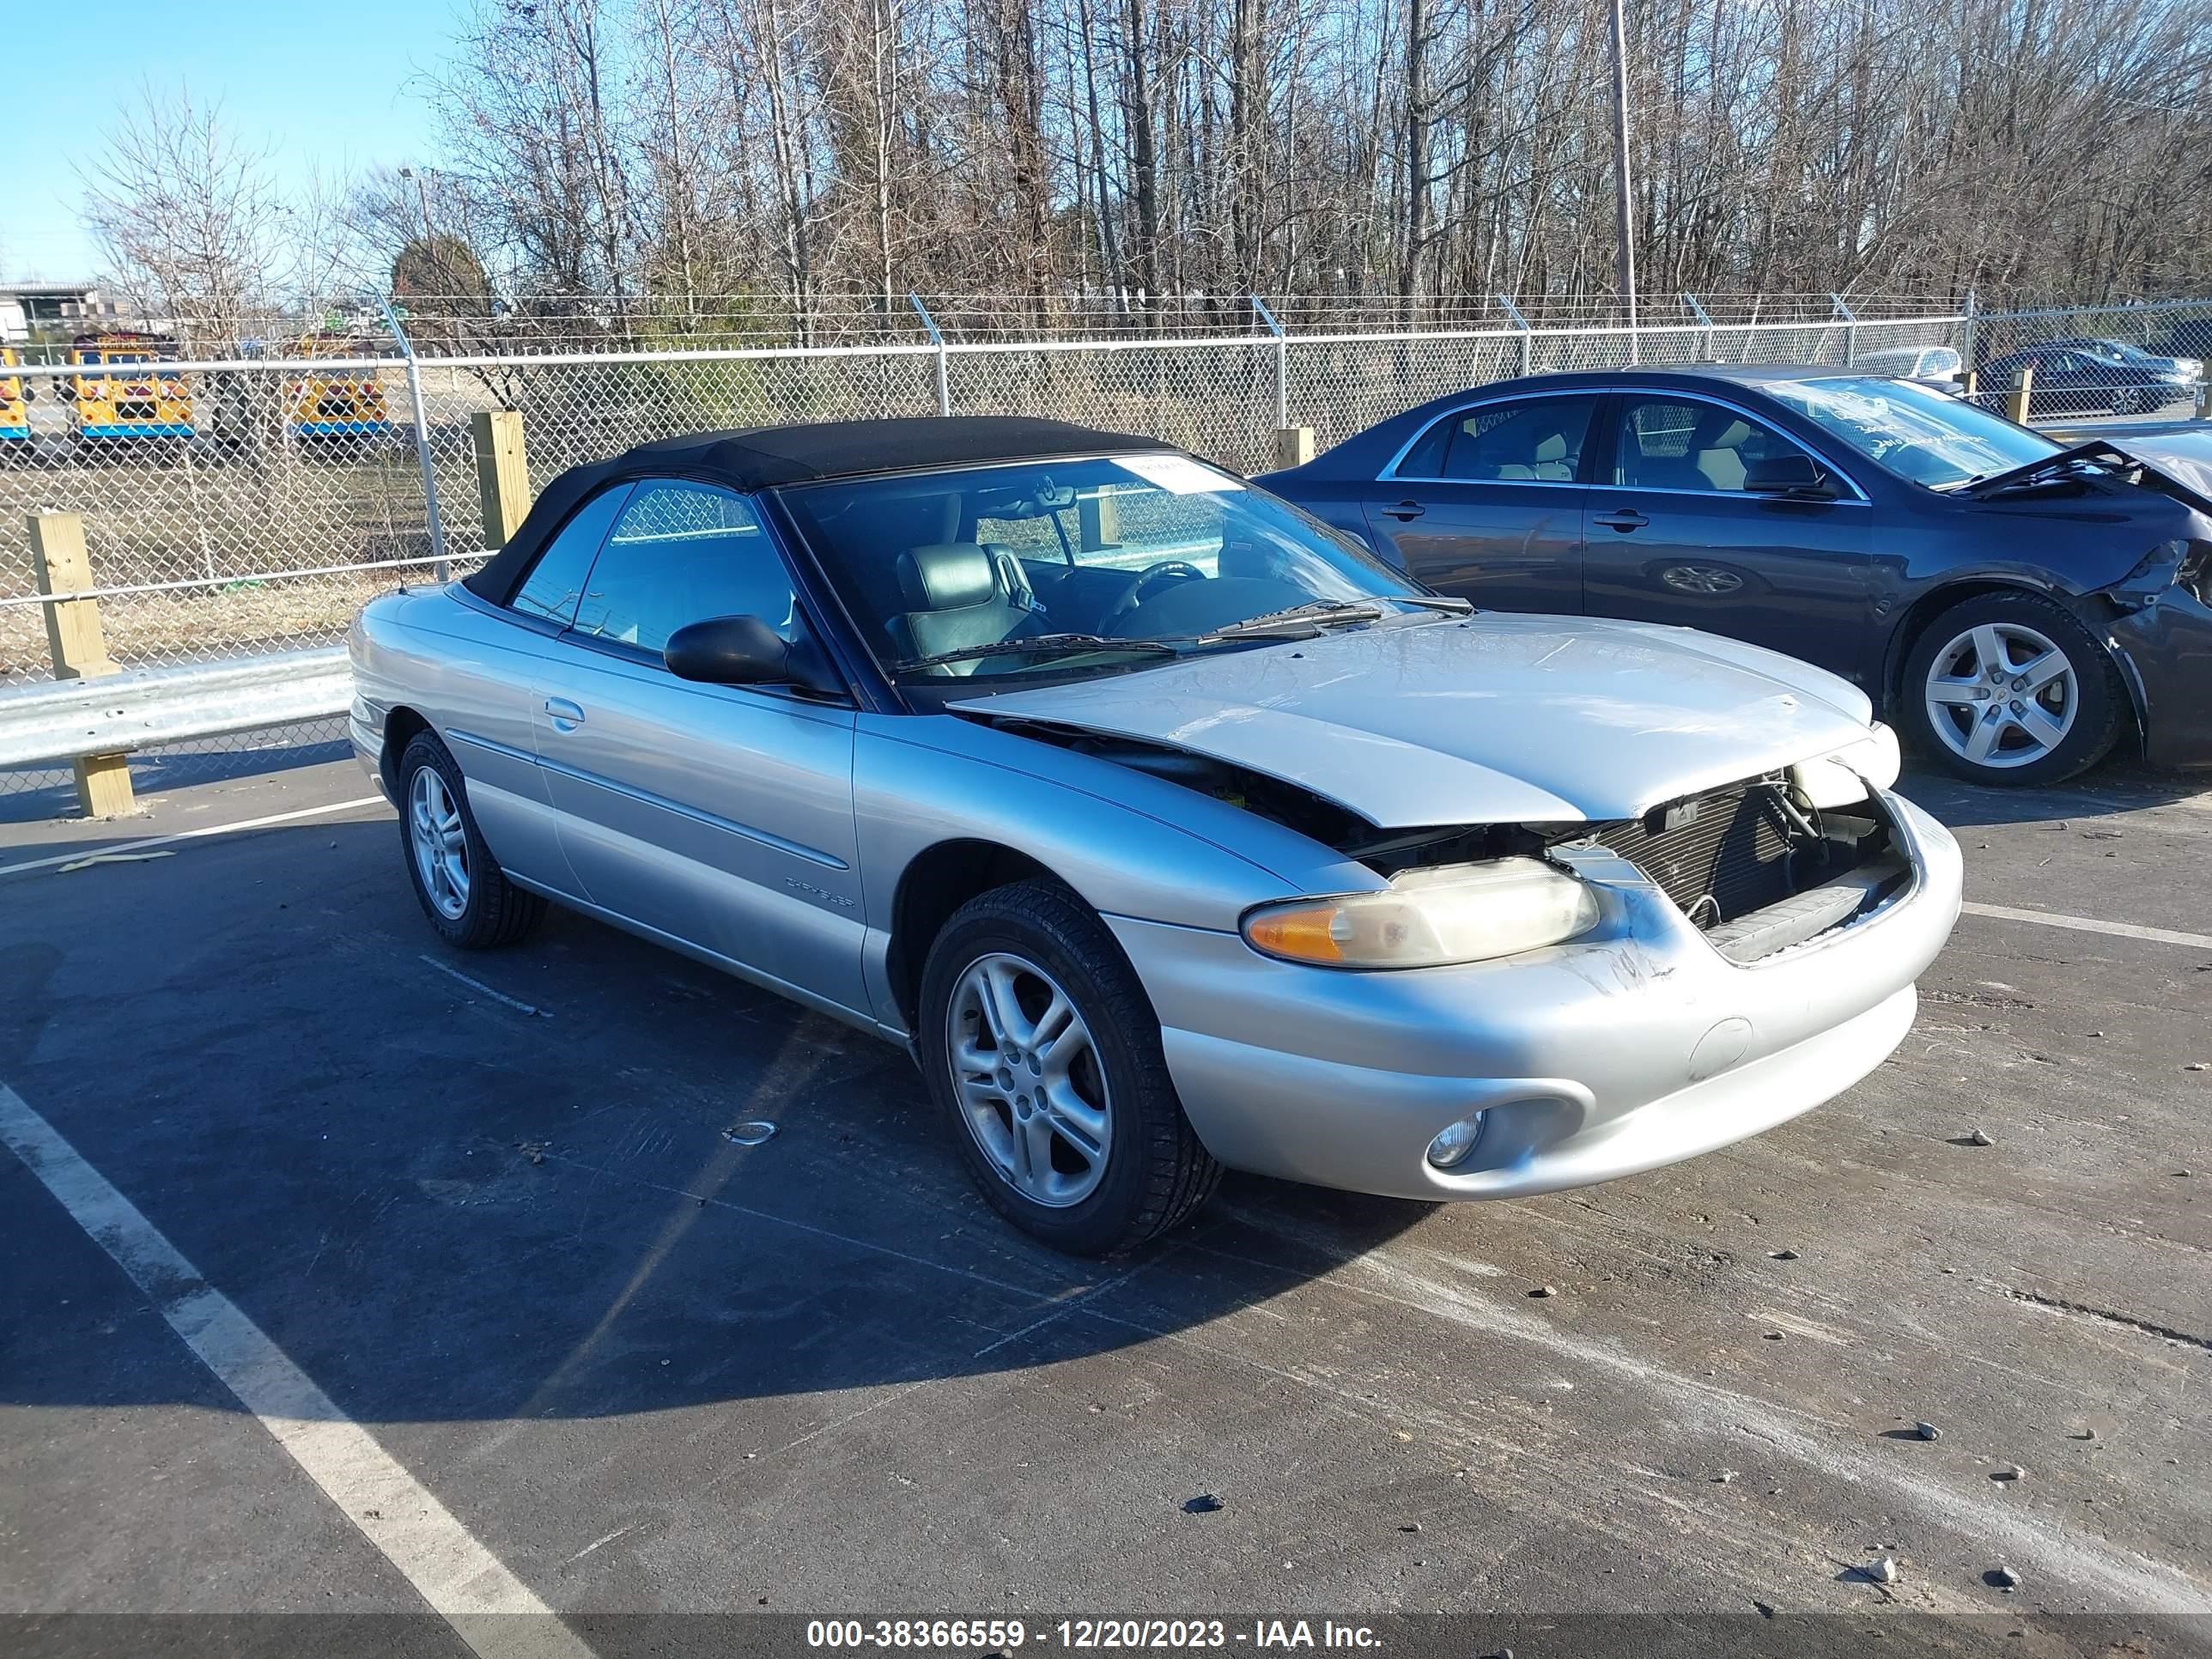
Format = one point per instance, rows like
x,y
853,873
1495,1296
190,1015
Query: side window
x,y
1540,441
681,553
1669,443
1426,459
555,582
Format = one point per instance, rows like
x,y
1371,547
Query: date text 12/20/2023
x,y
1005,1635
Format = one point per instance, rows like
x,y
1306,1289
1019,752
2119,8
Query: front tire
x,y
2009,689
1042,1054
463,892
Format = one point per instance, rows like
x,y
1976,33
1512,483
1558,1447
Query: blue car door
x,y
1675,536
1487,502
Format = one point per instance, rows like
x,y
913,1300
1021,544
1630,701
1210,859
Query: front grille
x,y
1734,848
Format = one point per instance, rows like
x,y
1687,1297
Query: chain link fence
x,y
237,508
2128,362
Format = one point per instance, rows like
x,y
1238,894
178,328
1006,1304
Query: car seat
x,y
1720,459
956,596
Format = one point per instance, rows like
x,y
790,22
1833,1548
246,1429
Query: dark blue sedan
x,y
2016,606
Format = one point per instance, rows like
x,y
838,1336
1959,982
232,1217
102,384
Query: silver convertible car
x,y
1165,827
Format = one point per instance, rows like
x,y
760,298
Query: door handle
x,y
565,715
1623,519
1405,511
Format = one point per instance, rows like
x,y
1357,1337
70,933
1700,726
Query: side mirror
x,y
1791,474
746,651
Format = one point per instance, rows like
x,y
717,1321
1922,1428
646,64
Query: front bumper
x,y
2166,649
1634,1046
365,732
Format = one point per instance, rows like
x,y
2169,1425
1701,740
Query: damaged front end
x,y
1757,866
2156,619
2160,629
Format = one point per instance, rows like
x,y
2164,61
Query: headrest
x,y
946,576
1553,448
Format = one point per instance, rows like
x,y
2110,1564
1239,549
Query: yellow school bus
x,y
122,390
342,403
15,410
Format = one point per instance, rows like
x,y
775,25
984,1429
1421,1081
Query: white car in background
x,y
1938,366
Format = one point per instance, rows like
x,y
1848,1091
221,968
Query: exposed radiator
x,y
1736,848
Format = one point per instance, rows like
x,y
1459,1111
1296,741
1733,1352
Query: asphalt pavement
x,y
485,1215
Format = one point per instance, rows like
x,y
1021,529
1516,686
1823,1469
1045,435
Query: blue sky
x,y
323,84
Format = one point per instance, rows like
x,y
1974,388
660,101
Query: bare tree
x,y
186,217
711,163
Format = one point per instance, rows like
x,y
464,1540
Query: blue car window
x,y
555,582
680,553
1679,444
1540,441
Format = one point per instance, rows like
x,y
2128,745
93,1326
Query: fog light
x,y
1450,1149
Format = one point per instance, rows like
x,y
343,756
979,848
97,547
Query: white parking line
x,y
489,1607
515,1003
190,834
2089,925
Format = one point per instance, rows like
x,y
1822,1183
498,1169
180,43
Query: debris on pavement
x,y
1883,1572
1545,1289
2002,1578
2009,1471
1204,1503
1978,1138
1927,1430
750,1134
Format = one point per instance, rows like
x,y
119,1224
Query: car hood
x,y
2183,458
1486,719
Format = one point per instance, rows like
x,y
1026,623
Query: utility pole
x,y
1623,212
422,189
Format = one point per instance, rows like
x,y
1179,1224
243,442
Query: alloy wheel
x,y
2002,694
1029,1079
441,844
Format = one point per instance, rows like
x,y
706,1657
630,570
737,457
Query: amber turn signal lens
x,y
1302,935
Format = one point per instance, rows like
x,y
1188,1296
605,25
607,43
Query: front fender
x,y
1129,844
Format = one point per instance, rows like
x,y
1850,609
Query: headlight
x,y
1426,918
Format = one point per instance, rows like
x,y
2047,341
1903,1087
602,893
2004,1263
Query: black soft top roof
x,y
764,457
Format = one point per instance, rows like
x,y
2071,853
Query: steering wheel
x,y
1133,595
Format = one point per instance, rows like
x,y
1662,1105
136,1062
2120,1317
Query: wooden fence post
x,y
1970,384
2016,400
78,648
1098,522
502,473
1294,446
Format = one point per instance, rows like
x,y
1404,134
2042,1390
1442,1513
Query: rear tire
x,y
2008,688
460,886
1042,1054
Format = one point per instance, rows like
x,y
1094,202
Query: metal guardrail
x,y
122,714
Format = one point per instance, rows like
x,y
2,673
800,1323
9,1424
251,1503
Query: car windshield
x,y
1081,566
1927,436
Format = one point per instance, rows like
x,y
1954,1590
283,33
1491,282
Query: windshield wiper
x,y
1451,603
1299,622
1053,645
